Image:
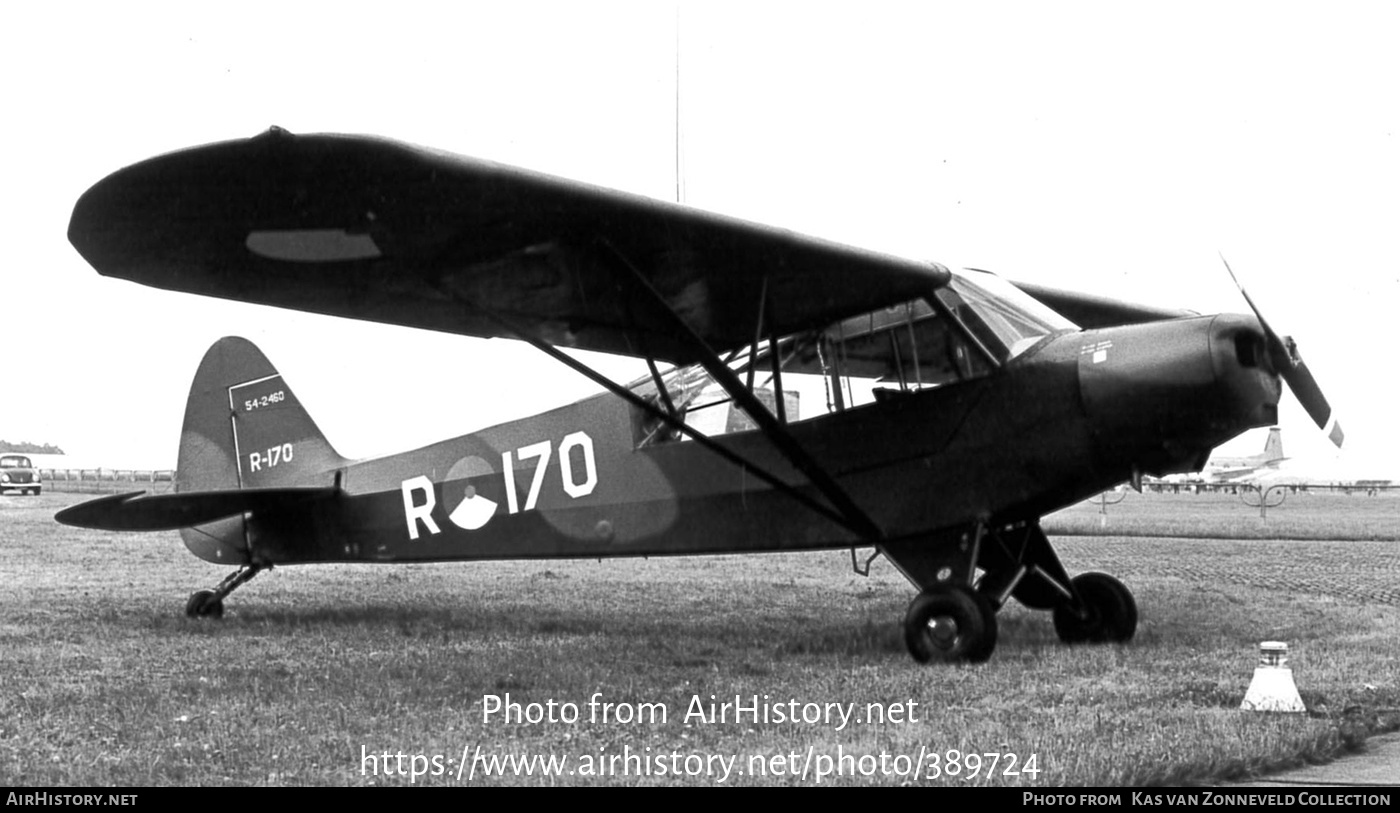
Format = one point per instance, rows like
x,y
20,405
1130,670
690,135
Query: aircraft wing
x,y
1090,311
373,229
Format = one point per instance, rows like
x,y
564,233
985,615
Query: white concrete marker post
x,y
1272,688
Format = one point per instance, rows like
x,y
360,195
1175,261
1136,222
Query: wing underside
x,y
372,229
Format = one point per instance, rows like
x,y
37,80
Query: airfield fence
x,y
1367,487
107,481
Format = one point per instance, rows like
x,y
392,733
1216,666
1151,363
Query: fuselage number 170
x,y
578,476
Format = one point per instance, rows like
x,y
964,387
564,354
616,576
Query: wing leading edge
x,y
372,229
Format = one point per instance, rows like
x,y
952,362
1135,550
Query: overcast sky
x,y
1110,147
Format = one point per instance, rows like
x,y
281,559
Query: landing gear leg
x,y
1090,608
954,616
210,603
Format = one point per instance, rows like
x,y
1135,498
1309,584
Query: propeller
x,y
1283,352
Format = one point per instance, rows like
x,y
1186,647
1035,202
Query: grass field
x,y
315,671
1319,515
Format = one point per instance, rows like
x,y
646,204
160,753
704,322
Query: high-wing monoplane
x,y
1233,469
800,394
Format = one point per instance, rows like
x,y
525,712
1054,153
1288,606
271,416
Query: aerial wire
x,y
680,172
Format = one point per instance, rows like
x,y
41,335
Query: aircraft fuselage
x,y
1077,414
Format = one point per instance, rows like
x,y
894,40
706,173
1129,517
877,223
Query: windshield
x,y
1004,318
14,463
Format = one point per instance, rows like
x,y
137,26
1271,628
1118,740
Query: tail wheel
x,y
204,604
1106,612
949,624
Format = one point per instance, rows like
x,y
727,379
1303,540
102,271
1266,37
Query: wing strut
x,y
853,517
846,513
672,419
758,330
661,391
669,416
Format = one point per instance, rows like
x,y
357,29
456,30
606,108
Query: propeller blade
x,y
1283,352
1300,380
1278,349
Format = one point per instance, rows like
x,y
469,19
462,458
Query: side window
x,y
898,350
872,357
710,411
705,406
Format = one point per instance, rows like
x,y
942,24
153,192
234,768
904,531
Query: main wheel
x,y
203,605
1108,615
952,623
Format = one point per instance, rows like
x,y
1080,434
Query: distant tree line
x,y
29,448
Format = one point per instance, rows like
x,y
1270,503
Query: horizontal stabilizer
x,y
143,511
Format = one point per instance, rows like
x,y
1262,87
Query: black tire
x,y
203,605
1109,613
950,624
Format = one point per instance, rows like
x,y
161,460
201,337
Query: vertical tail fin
x,y
1273,447
244,428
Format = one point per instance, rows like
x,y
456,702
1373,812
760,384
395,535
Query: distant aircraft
x,y
1272,468
864,400
1234,469
1320,473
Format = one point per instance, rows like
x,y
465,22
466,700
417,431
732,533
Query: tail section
x,y
257,480
245,429
1273,447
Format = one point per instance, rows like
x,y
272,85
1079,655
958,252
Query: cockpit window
x,y
878,355
956,334
908,345
896,350
1003,317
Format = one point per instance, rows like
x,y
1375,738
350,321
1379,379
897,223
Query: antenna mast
x,y
680,170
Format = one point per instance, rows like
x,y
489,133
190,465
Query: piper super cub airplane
x,y
802,394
